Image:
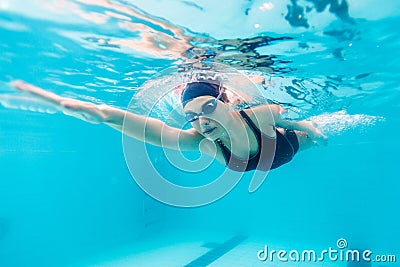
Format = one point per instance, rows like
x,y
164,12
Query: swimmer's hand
x,y
316,135
257,79
85,111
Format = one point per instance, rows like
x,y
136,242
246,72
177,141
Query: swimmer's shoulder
x,y
261,115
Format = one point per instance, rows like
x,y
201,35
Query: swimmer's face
x,y
207,115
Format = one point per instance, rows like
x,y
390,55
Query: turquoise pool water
x,y
67,197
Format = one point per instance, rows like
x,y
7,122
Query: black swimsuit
x,y
286,146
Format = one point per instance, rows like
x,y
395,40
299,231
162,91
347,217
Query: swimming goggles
x,y
207,108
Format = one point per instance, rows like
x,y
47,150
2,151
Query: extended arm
x,y
146,129
150,130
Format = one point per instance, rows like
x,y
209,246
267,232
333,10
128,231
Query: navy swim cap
x,y
196,89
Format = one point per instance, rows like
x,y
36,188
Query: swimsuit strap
x,y
253,127
225,150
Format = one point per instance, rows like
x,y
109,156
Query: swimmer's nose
x,y
204,121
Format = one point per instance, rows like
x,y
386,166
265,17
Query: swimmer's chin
x,y
216,134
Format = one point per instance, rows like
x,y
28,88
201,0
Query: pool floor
x,y
218,250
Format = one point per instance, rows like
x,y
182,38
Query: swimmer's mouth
x,y
209,131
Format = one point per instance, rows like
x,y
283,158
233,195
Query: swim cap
x,y
196,89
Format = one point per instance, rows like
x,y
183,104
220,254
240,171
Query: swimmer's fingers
x,y
82,110
318,137
257,79
37,92
321,140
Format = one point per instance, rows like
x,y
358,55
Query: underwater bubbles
x,y
340,122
